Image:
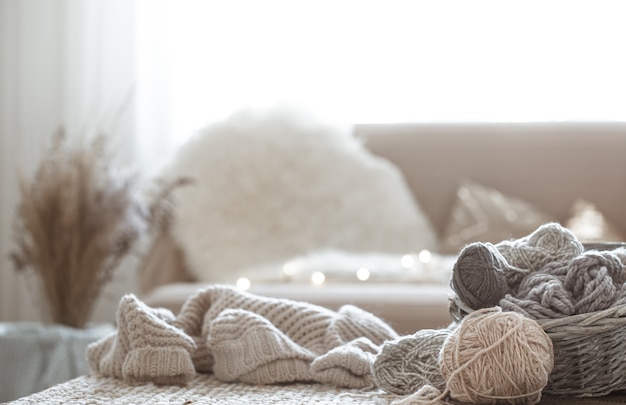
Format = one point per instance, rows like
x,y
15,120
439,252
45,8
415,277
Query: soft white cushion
x,y
271,185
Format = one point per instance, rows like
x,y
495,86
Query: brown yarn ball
x,y
497,357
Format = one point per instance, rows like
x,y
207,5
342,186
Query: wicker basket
x,y
589,351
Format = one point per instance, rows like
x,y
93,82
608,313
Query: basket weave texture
x,y
589,351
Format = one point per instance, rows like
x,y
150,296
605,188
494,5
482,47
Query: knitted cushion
x,y
484,214
589,224
268,186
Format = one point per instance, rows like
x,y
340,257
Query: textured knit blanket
x,y
241,337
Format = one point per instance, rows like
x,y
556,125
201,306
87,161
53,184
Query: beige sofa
x,y
548,166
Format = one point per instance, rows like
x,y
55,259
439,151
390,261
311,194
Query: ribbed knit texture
x,y
144,348
241,337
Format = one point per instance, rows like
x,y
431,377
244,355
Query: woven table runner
x,y
206,389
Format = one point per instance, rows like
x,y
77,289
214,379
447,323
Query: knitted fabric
x,y
241,337
144,348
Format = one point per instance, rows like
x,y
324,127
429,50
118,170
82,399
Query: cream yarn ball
x,y
497,357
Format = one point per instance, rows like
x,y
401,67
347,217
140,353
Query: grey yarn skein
x,y
592,281
405,365
620,252
478,276
540,296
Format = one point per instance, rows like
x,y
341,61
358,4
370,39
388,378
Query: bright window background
x,y
385,61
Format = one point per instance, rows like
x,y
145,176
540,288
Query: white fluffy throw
x,y
271,185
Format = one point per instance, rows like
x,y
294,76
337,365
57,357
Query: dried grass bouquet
x,y
76,221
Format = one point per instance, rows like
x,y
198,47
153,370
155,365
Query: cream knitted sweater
x,y
241,337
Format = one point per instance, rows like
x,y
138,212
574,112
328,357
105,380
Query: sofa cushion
x,y
271,185
589,224
484,214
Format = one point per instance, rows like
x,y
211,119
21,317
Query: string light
x,y
290,268
425,256
318,278
243,284
407,261
362,274
413,266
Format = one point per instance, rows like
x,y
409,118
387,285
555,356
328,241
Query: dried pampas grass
x,y
76,221
161,210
